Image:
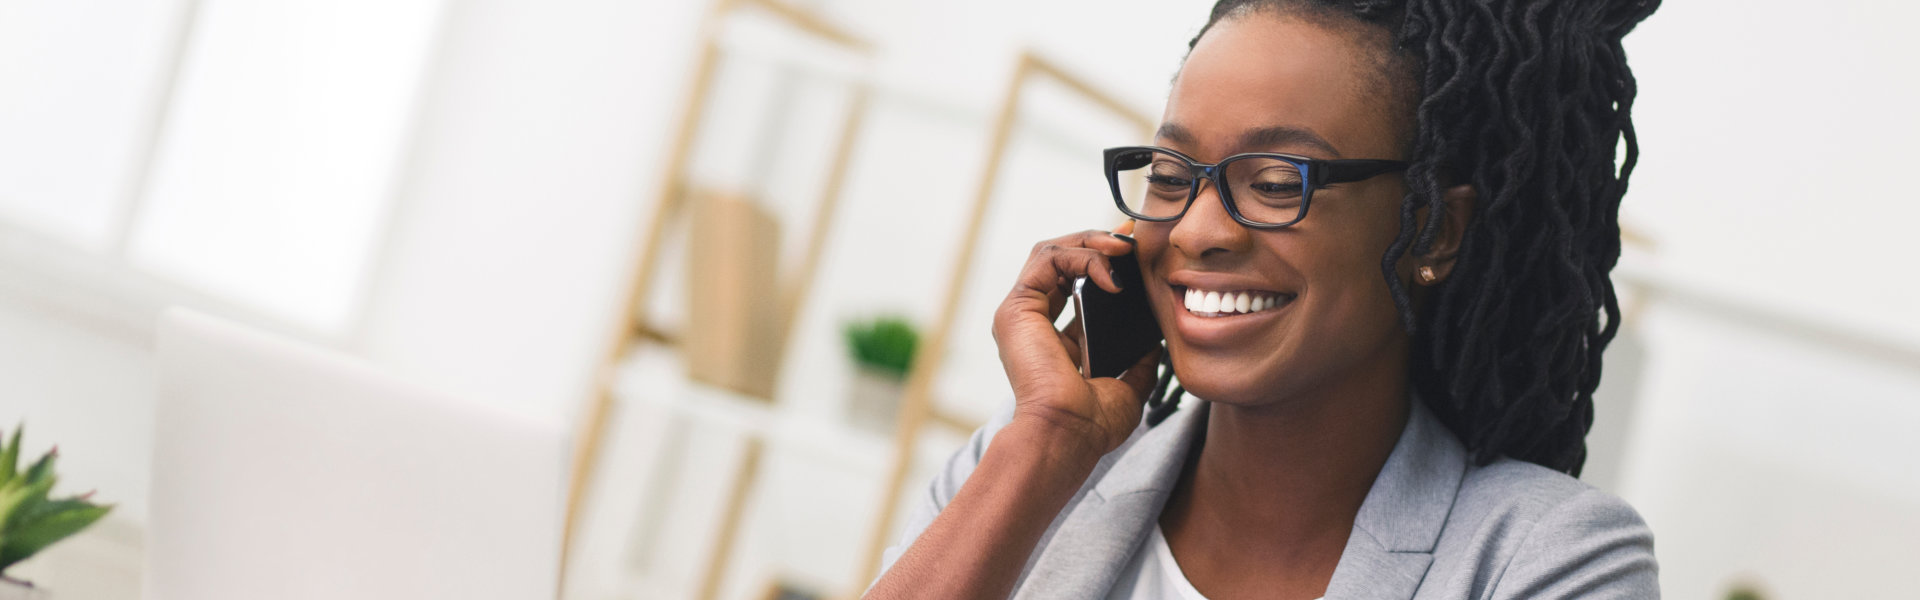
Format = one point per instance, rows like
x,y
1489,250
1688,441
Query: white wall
x,y
77,371
1775,177
1762,457
1776,160
533,170
86,388
1775,139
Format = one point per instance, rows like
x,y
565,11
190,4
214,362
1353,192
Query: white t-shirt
x,y
1152,574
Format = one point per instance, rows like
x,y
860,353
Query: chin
x,y
1223,384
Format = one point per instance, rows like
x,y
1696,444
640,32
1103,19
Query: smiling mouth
x,y
1213,304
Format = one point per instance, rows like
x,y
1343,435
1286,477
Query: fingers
x,y
1106,242
1057,299
1030,344
1089,263
1054,264
1070,338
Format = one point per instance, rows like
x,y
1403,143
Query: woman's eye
x,y
1168,180
1277,190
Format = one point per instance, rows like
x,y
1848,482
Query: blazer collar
x,y
1386,556
1399,523
1091,544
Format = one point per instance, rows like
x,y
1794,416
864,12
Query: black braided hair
x,y
1527,101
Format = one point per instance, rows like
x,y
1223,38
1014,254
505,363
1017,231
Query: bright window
x,y
269,176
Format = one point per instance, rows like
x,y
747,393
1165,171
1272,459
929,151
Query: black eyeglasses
x,y
1261,190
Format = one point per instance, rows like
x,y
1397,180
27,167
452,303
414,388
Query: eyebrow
x,y
1264,137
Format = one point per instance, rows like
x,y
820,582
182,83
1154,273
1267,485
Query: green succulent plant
x,y
29,520
884,344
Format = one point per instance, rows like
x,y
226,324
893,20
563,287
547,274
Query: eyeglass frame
x,y
1314,174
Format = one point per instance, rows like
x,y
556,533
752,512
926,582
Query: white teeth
x,y
1219,303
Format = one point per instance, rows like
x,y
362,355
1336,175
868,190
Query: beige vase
x,y
873,401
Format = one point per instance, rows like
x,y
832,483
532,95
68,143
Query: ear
x,y
1458,208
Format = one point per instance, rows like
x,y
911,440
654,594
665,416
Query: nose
x,y
1207,229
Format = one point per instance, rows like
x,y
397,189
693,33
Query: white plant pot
x,y
873,401
15,590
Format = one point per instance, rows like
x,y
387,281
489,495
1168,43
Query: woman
x,y
1395,315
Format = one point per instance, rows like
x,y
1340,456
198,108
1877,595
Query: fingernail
x,y
1123,237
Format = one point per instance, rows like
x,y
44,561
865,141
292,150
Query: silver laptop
x,y
286,472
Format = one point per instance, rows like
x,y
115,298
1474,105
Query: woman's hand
x,y
1063,423
1043,364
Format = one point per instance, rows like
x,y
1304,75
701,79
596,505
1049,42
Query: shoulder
x,y
1513,489
1520,530
944,485
959,466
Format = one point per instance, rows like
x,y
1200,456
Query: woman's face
x,y
1317,92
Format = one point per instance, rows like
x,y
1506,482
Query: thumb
x,y
1140,377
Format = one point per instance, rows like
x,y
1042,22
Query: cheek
x,y
1150,241
1351,235
1341,262
1348,298
1364,216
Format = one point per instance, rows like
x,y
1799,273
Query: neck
x,y
1284,480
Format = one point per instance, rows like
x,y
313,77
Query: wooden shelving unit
x,y
671,203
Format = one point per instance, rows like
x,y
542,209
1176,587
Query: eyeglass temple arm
x,y
1345,171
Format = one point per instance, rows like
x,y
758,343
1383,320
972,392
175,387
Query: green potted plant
x,y
1746,588
30,520
882,349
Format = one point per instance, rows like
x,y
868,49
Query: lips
x,y
1216,294
1224,311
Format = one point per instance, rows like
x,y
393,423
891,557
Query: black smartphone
x,y
1115,329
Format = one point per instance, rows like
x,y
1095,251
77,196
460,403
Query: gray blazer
x,y
1433,526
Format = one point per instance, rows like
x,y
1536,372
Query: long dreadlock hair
x,y
1527,100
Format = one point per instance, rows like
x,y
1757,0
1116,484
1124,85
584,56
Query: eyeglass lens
x,y
1156,185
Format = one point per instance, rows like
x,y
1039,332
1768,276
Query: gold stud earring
x,y
1427,276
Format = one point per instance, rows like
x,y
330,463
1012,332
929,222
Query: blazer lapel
x,y
1092,543
1386,557
1399,523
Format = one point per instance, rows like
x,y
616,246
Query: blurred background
x,y
748,251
